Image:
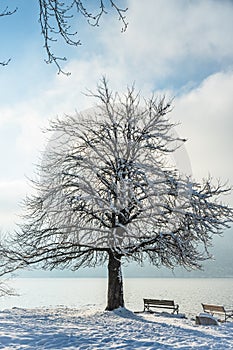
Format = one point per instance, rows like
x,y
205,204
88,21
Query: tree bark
x,y
115,282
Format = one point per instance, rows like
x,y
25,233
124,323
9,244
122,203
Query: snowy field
x,y
69,328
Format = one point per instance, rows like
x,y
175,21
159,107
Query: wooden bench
x,y
161,304
217,309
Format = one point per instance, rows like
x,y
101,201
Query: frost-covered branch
x,y
58,20
5,289
4,13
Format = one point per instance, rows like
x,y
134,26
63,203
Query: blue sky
x,y
182,49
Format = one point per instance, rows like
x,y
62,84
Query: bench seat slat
x,y
216,308
159,302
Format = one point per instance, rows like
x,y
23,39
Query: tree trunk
x,y
115,283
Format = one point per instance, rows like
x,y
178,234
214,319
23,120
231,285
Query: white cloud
x,y
206,120
165,34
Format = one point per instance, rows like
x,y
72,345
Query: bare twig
x,y
7,12
5,63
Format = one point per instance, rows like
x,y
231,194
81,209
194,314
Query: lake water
x,y
189,293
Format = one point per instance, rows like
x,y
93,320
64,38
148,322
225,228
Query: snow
x,y
88,328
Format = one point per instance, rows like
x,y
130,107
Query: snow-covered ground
x,y
69,328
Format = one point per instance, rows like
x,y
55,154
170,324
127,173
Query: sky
x,y
181,49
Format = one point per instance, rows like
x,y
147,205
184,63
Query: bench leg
x,y
228,316
146,308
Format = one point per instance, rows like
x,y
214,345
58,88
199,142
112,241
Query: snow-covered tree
x,y
108,191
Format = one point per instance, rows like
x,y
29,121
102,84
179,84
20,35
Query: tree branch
x,y
4,13
56,22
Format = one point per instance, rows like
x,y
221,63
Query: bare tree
x,y
58,21
107,191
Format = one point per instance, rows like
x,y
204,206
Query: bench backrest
x,y
213,308
159,302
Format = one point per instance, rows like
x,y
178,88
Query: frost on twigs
x,y
5,289
58,21
106,185
3,13
5,63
